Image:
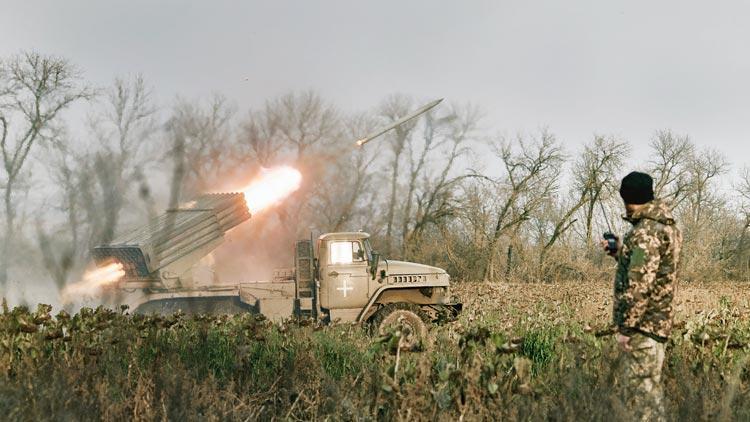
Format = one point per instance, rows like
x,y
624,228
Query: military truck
x,y
168,267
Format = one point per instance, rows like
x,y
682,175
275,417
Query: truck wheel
x,y
405,318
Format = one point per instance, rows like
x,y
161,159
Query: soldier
x,y
645,284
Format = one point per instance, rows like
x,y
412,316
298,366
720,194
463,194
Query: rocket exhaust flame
x,y
93,281
271,187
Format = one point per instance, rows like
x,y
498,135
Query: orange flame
x,y
272,186
93,281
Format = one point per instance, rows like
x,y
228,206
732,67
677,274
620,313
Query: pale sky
x,y
576,67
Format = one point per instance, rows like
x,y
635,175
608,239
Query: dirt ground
x,y
585,302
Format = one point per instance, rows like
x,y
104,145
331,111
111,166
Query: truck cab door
x,y
345,274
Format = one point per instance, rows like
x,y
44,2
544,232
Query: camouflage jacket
x,y
647,272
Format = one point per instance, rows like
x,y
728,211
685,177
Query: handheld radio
x,y
610,237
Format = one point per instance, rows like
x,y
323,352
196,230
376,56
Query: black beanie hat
x,y
637,188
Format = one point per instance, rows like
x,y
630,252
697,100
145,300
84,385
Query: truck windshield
x,y
346,252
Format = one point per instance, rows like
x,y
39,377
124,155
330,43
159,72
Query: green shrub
x,y
339,356
539,346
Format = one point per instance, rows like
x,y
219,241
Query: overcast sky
x,y
576,67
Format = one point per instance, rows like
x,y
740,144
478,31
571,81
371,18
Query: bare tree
x,y
689,179
34,89
112,162
304,120
60,257
344,197
672,155
530,178
595,172
259,135
592,172
434,196
467,236
703,170
345,193
417,159
203,137
394,108
295,122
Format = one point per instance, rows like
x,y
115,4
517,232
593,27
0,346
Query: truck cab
x,y
355,282
344,261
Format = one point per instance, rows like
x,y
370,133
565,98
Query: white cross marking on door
x,y
345,287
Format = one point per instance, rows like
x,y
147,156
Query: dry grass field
x,y
586,302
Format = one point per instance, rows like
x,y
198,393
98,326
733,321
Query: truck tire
x,y
405,318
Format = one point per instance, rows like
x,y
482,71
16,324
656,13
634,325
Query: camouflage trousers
x,y
644,396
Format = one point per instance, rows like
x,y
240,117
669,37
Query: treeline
x,y
441,190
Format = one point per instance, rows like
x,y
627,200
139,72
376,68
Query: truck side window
x,y
358,254
346,252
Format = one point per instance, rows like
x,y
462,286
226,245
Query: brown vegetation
x,y
519,352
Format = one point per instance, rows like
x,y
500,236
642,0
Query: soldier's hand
x,y
624,342
605,245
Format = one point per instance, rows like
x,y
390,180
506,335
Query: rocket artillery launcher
x,y
164,252
342,278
